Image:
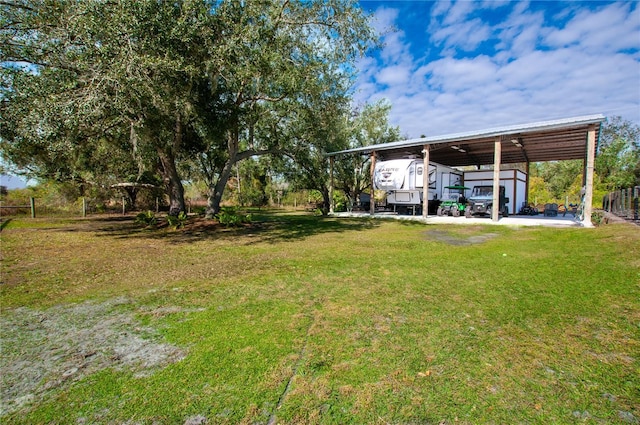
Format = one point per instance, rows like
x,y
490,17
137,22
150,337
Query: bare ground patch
x,y
45,350
463,237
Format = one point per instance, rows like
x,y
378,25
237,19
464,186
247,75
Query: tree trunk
x,y
215,193
172,182
326,201
132,192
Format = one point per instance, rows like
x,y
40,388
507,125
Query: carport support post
x,y
497,157
425,181
588,194
372,200
331,207
526,190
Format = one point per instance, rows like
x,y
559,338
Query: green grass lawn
x,y
303,319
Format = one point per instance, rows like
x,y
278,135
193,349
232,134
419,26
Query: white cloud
x,y
394,75
586,62
384,20
458,12
456,75
520,32
452,25
612,28
440,9
395,48
465,35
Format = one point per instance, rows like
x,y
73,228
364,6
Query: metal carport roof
x,y
555,140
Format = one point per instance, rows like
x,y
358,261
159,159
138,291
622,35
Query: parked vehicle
x,y
481,202
513,180
454,202
403,181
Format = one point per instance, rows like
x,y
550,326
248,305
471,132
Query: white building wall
x,y
514,182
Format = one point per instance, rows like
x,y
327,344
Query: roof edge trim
x,y
492,132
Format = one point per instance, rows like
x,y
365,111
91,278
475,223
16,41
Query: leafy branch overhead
x,y
172,87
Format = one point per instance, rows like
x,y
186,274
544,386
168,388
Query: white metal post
x,y
425,182
588,194
372,201
497,157
331,206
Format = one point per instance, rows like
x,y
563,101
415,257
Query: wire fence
x,y
36,207
82,207
623,203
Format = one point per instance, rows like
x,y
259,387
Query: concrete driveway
x,y
512,220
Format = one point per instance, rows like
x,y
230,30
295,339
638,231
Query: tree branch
x,y
16,5
256,152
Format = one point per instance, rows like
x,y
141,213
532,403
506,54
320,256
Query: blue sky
x,y
12,182
447,66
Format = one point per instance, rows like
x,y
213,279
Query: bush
x,y
147,218
200,211
177,221
597,217
230,217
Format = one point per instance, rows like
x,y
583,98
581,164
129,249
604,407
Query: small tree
x,y
618,160
367,126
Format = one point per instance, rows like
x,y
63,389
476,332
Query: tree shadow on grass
x,y
296,227
266,227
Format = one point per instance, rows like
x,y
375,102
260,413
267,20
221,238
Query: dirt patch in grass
x,y
466,237
47,350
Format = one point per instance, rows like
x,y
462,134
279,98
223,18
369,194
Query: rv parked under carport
x,y
555,140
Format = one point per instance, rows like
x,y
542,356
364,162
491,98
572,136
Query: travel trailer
x,y
403,181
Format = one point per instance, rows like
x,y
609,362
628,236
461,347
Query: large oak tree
x,y
175,83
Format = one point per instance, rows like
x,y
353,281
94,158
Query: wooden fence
x,y
15,208
623,203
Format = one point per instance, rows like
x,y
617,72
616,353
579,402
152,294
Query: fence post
x,y
84,207
32,203
123,206
636,198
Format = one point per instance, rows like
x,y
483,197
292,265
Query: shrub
x,y
597,217
230,217
200,211
147,218
177,221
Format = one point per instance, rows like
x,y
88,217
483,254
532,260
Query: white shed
x,y
514,182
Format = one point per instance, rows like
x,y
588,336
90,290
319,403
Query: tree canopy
x,y
617,166
368,125
193,85
618,160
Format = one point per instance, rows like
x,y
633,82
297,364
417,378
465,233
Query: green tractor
x,y
454,203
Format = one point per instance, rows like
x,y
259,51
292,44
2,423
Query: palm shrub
x,y
230,217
